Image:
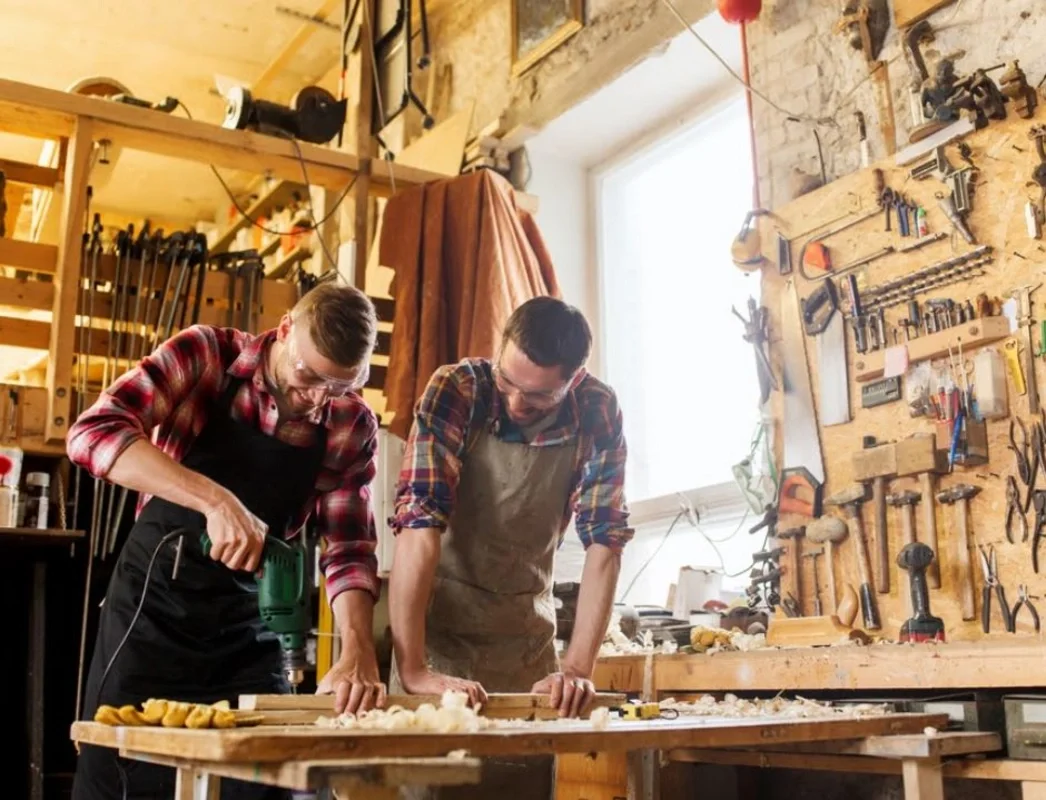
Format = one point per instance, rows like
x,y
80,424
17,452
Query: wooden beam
x,y
364,116
28,255
29,174
37,295
36,335
67,279
279,62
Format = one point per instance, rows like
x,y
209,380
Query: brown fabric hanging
x,y
465,255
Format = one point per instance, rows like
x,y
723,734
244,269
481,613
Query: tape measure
x,y
645,711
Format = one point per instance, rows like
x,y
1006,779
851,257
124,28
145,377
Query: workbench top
x,y
1000,661
266,743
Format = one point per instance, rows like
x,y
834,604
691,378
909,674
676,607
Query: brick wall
x,y
800,63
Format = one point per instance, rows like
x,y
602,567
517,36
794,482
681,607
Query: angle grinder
x,y
283,600
314,115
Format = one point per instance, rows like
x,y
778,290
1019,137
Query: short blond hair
x,y
341,321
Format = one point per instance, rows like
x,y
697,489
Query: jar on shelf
x,y
37,500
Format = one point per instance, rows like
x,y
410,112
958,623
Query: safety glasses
x,y
333,387
546,399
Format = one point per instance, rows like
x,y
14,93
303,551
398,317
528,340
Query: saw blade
x,y
802,444
831,372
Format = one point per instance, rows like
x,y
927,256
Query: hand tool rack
x,y
78,122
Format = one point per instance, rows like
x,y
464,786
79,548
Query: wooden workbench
x,y
285,754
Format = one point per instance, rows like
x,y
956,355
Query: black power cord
x,y
130,626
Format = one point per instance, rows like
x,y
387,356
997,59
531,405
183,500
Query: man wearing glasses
x,y
500,456
240,436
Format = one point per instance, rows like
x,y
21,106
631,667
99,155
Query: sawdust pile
x,y
453,715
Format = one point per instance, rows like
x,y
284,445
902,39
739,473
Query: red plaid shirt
x,y
170,394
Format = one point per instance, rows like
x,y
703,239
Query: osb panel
x,y
1005,157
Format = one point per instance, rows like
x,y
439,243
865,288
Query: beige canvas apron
x,y
492,617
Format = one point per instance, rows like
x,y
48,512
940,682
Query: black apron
x,y
199,638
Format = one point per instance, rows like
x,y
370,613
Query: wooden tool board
x,y
1004,157
289,743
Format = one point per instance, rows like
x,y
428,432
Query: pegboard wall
x,y
1003,157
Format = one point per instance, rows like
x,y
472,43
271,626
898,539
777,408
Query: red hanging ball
x,y
739,11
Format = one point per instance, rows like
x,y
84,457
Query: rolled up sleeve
x,y
345,519
601,510
435,446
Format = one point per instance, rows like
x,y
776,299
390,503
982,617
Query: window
x,y
673,351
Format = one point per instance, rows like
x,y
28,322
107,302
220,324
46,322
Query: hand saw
x,y
802,478
823,320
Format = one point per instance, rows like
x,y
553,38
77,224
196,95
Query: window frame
x,y
713,499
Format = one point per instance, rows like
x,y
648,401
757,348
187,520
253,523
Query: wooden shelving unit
x,y
286,263
278,194
77,122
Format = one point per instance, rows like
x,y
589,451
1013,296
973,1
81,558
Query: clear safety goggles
x,y
546,399
333,387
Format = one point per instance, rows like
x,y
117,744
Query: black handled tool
x,y
922,626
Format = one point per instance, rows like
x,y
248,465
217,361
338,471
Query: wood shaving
x,y
600,718
732,706
615,643
454,715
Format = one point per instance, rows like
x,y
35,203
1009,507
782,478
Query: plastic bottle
x,y
37,499
989,382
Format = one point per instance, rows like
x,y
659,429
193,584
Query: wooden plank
x,y
28,255
48,113
922,780
1033,791
870,366
919,745
266,743
507,705
620,674
28,174
23,293
313,775
364,141
441,150
67,280
36,335
908,12
1002,663
1000,769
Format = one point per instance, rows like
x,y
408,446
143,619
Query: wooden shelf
x,y
974,334
278,194
39,535
283,266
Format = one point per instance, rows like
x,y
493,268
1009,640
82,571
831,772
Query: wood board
x,y
267,744
908,12
1005,157
296,708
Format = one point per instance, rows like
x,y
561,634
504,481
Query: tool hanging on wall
x,y
922,626
828,531
823,321
959,496
850,501
874,464
757,334
246,272
802,478
746,250
1025,322
314,114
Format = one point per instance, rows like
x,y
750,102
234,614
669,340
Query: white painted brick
x,y
782,41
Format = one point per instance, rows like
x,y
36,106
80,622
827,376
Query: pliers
x,y
1015,509
991,581
1040,526
1024,600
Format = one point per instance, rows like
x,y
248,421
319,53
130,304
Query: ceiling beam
x,y
290,49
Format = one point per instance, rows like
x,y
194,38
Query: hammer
x,y
906,502
828,531
813,555
875,464
794,551
850,500
959,495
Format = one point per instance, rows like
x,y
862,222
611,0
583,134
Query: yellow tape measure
x,y
644,711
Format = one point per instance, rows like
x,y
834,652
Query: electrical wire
x,y
652,556
308,185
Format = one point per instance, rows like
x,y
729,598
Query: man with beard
x,y
501,454
242,437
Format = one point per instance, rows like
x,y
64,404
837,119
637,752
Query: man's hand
x,y
237,536
429,682
569,692
355,682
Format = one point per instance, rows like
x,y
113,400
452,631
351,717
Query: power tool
x,y
283,598
915,557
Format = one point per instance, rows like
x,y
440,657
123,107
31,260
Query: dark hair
x,y
341,321
550,333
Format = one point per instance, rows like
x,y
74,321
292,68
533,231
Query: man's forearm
x,y
145,468
410,587
595,603
354,615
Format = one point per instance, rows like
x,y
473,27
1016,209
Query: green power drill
x,y
283,600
